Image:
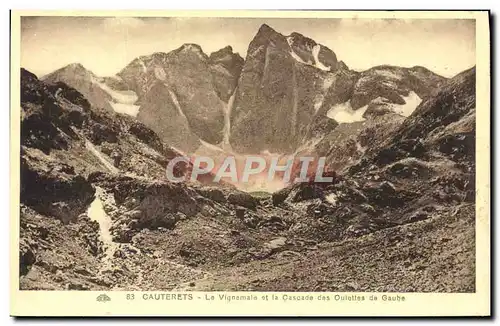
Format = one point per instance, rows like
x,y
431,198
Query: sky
x,y
107,44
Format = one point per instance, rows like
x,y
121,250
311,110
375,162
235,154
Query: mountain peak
x,y
76,66
224,51
193,48
72,69
267,35
225,54
265,29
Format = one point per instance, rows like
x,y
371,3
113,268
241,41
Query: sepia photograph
x,y
181,154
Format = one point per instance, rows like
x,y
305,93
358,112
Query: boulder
x,y
276,245
306,192
240,213
26,257
279,196
212,193
243,199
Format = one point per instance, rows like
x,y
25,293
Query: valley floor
x,y
203,254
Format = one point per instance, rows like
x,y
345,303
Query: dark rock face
x,y
279,196
305,192
305,49
56,117
26,257
225,67
321,126
100,133
377,107
54,189
42,116
442,122
182,94
263,102
279,92
341,88
142,204
452,102
146,135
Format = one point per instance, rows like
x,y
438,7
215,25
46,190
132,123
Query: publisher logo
x,y
103,298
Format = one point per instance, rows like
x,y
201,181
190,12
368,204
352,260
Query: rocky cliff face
x,y
283,84
190,85
225,67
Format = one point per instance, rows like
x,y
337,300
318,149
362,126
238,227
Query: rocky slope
x,y
107,93
97,212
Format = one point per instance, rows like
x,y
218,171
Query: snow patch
x,y
125,97
318,101
129,109
343,113
412,101
318,64
315,52
121,101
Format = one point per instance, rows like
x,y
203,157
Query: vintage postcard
x,y
250,163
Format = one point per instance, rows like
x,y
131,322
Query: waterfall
x,y
295,100
96,213
227,120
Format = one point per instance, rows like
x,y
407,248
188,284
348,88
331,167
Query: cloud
x,y
120,23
